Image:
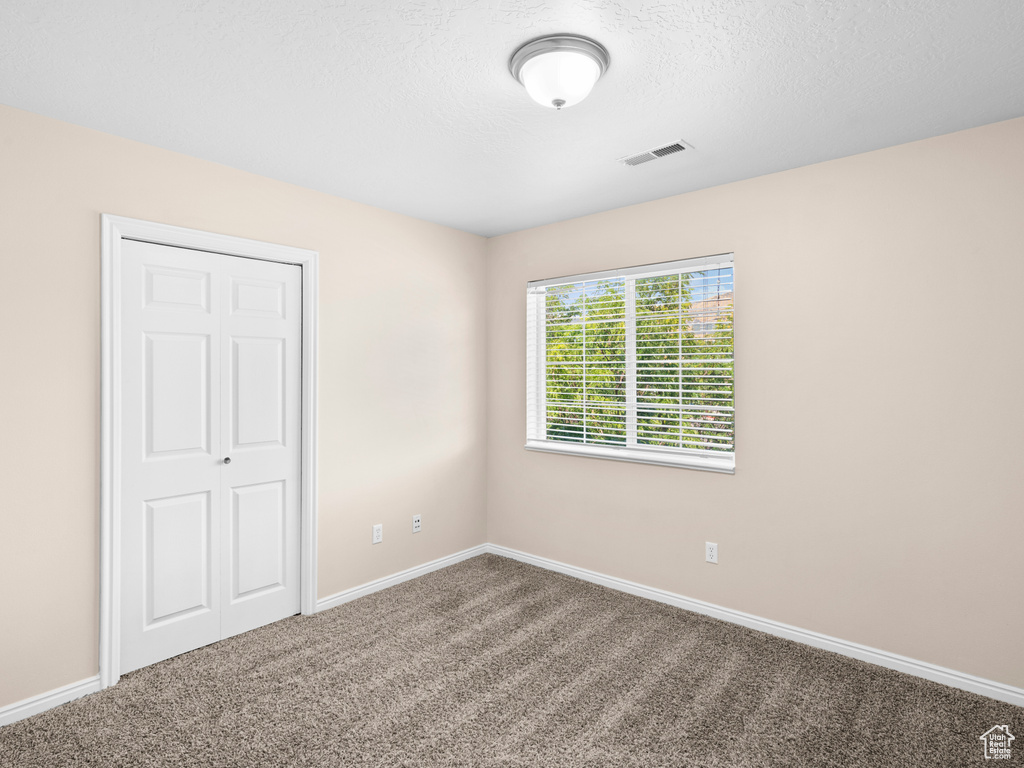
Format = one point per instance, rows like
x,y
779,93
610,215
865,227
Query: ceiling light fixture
x,y
559,70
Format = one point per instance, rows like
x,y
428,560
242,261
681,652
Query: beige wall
x,y
880,429
879,489
401,313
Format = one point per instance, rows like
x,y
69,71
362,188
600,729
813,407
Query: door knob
x,y
227,459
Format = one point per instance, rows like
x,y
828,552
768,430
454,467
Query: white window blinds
x,y
635,364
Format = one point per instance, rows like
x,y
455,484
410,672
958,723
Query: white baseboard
x,y
950,677
33,705
397,578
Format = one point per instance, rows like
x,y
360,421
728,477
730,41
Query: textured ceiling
x,y
409,106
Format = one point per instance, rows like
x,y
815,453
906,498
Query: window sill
x,y
726,465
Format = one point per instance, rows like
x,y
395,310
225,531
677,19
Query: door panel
x,y
258,535
178,557
177,406
257,298
182,289
258,378
211,369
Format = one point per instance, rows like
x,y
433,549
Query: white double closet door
x,y
211,457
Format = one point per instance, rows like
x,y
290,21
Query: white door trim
x,y
114,230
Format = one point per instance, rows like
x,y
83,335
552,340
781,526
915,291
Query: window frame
x,y
536,353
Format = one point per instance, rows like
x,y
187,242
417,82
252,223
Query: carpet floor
x,y
494,663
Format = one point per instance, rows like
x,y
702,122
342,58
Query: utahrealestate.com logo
x,y
997,742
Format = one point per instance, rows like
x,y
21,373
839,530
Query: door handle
x,y
227,459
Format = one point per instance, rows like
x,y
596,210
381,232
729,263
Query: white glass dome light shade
x,y
560,78
559,70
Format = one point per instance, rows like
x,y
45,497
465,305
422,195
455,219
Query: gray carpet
x,y
494,663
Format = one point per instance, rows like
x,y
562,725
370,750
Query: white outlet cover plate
x,y
710,552
378,533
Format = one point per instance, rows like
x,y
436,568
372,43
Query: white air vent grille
x,y
643,157
654,154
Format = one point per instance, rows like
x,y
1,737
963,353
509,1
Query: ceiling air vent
x,y
654,154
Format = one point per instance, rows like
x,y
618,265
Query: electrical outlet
x,y
378,533
711,552
415,523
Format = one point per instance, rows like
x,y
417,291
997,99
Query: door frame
x,y
114,230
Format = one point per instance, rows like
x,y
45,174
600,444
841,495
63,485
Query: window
x,y
634,364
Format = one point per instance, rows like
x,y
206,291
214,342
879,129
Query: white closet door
x,y
260,410
210,371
